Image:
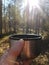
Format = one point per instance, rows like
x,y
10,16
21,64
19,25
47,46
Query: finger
x,y
17,47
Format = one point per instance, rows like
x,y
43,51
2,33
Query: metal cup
x,y
32,44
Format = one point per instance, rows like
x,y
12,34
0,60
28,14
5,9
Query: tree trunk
x,y
27,27
0,16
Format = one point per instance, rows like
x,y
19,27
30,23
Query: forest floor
x,y
4,44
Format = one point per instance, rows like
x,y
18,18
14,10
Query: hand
x,y
10,55
17,46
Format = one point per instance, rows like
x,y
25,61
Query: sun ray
x,y
32,3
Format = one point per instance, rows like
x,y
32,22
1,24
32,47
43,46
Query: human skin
x,y
9,57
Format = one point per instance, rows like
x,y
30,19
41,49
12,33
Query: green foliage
x,y
11,15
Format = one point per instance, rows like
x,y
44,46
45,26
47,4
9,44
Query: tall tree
x,y
0,16
27,21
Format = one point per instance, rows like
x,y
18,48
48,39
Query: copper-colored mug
x,y
32,46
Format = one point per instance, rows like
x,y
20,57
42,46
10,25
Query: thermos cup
x,y
32,44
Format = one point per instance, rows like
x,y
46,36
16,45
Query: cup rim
x,y
25,37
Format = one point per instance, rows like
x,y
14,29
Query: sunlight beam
x,y
32,3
